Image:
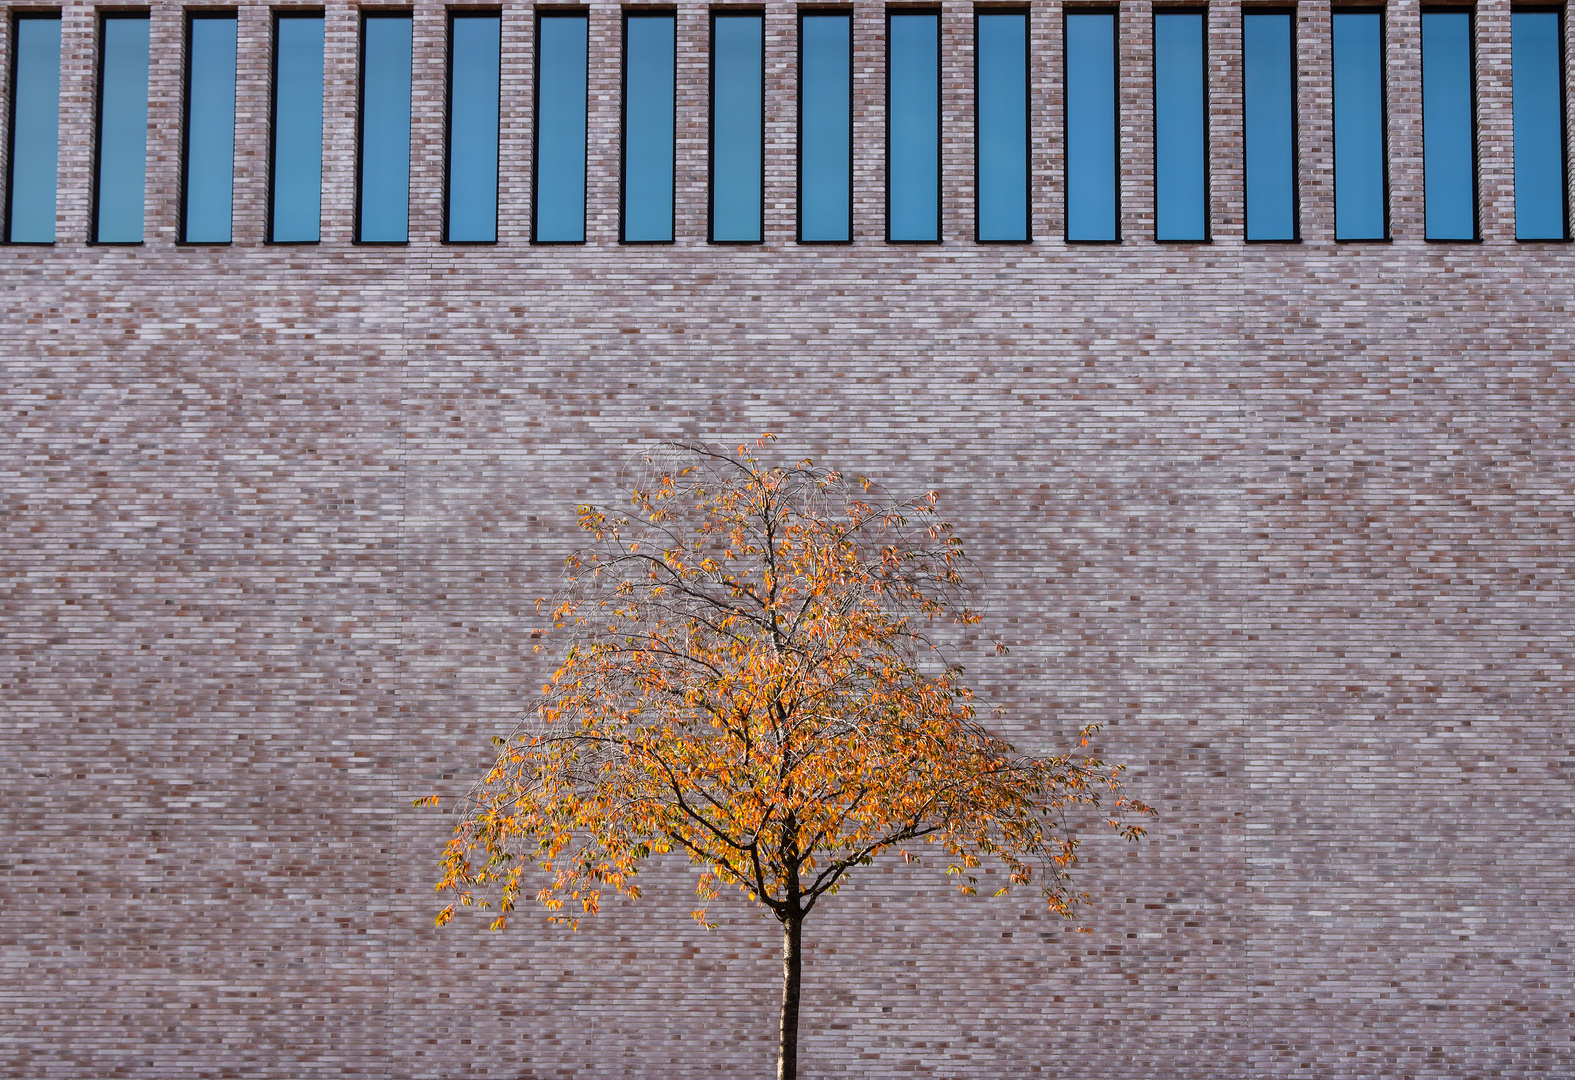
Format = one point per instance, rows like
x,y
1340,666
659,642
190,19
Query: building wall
x,y
1294,520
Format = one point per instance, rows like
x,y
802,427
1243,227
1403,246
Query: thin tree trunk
x,y
792,957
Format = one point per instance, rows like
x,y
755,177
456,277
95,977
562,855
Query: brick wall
x,y
1295,520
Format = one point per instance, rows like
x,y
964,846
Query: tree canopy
x,y
752,678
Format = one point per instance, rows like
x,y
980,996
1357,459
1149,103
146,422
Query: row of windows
x,y
825,126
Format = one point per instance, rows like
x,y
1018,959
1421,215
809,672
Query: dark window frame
x,y
1028,115
1383,121
643,12
555,12
18,16
279,14
1296,128
1066,158
798,146
940,118
710,145
1470,11
365,14
1208,145
192,15
449,15
1564,115
104,16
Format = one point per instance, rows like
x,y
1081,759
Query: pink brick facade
x,y
1295,520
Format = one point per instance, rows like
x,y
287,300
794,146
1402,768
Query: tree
x,y
752,680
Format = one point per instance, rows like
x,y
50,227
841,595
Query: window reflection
x,y
206,194
1448,131
1180,127
120,188
1091,182
35,129
384,205
1269,107
475,53
913,126
295,196
561,84
825,162
648,127
1541,198
737,127
1359,177
1001,120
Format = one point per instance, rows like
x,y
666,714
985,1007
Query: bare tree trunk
x,y
787,1047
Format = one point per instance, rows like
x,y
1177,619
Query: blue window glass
x,y
1180,127
825,131
561,86
1269,107
1448,129
210,129
35,129
1092,194
474,58
913,126
737,128
1541,197
1359,168
383,209
649,103
121,187
1001,125
296,181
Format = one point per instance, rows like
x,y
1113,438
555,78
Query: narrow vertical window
x,y
1360,173
1269,108
649,127
1181,134
1092,186
1001,126
737,128
208,175
1449,158
470,208
825,127
296,173
120,186
913,127
383,186
34,150
561,85
1541,192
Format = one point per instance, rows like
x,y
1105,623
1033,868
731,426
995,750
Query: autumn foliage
x,y
752,679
